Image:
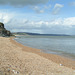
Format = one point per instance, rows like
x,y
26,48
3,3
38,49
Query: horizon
x,y
43,16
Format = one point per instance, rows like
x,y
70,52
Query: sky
x,y
39,16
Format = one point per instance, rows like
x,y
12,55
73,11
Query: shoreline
x,y
63,52
59,59
21,60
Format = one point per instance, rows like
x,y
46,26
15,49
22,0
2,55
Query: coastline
x,y
21,60
68,62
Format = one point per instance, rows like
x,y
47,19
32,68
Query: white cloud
x,y
69,21
5,17
37,9
41,9
57,8
61,25
66,22
19,3
12,20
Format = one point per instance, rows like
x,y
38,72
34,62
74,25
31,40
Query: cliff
x,y
3,31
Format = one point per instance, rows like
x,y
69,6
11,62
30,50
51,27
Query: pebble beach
x,y
16,59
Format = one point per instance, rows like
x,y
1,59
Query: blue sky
x,y
39,16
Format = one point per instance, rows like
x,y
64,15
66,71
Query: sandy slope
x,y
15,60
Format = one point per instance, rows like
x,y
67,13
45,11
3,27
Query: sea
x,y
59,45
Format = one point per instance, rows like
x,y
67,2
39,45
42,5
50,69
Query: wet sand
x,y
21,60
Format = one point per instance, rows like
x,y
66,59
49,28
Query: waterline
x,y
50,44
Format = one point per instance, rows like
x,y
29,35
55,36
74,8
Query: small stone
x,y
5,74
18,72
15,72
16,66
61,64
8,70
9,65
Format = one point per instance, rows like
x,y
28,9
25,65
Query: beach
x,y
21,60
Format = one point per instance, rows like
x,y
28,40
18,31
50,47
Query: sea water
x,y
61,45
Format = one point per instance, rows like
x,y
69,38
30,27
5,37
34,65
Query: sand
x,y
20,60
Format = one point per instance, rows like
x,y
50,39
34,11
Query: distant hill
x,y
27,33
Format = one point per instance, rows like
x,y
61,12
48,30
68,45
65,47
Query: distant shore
x,y
22,60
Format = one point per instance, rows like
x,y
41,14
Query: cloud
x,y
72,3
41,9
69,21
58,25
37,9
19,3
57,9
5,17
9,18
